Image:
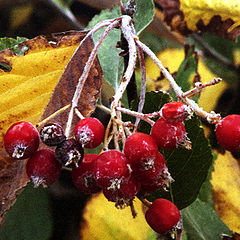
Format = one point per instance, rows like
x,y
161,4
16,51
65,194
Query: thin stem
x,y
85,73
127,32
210,117
143,84
79,114
53,115
104,108
145,201
142,116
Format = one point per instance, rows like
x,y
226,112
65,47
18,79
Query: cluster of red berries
x,y
44,166
120,175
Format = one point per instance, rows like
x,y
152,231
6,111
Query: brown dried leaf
x,y
66,86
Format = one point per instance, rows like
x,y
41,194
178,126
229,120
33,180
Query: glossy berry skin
x,y
175,112
155,178
52,134
124,194
168,135
162,215
21,140
69,152
83,176
228,133
89,132
111,169
43,168
141,150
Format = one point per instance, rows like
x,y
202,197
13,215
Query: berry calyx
x,y
155,178
21,140
175,112
228,132
83,176
69,152
141,150
123,195
89,132
43,168
169,135
162,216
52,134
111,169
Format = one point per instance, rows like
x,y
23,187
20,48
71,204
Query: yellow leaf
x,y
205,10
103,221
218,17
172,58
26,89
226,190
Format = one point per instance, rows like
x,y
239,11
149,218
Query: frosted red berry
x,y
141,150
155,178
175,112
162,216
124,194
21,140
168,135
43,168
89,132
69,152
228,133
111,169
52,134
83,176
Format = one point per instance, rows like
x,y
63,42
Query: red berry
x,y
141,150
111,169
89,132
175,112
21,140
52,134
162,216
69,152
228,133
43,168
83,176
155,178
168,135
123,195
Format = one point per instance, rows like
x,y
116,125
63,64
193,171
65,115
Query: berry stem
x,y
141,116
145,201
87,67
210,117
133,210
143,84
79,114
52,115
199,86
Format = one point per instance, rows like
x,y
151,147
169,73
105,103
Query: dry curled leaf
x,y
25,88
66,86
219,17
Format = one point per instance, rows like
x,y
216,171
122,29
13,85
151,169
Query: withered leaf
x,y
66,86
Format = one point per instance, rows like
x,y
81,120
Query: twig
x,y
211,117
143,84
85,73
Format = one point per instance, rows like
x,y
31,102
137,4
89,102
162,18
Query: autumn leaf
x,y
103,221
218,17
226,190
25,90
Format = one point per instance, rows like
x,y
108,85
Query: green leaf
x,y
189,168
186,69
111,62
201,222
12,43
144,14
29,218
